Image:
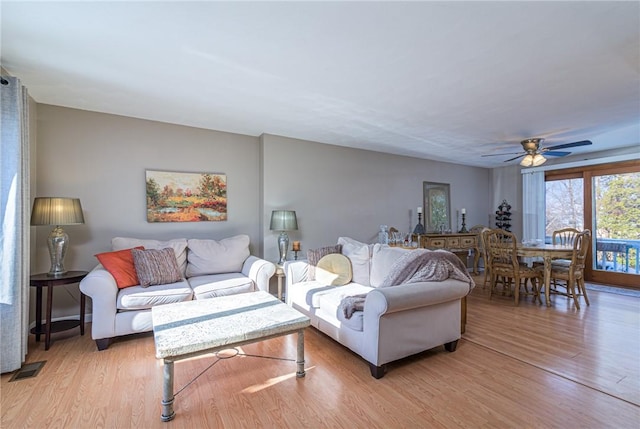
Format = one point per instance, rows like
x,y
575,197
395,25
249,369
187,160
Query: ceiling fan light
x,y
527,161
538,159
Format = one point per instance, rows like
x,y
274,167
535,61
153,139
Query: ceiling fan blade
x,y
502,154
514,158
566,145
556,153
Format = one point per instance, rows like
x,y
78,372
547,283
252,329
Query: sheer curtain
x,y
14,242
533,205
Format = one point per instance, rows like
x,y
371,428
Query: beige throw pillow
x,y
382,260
156,267
217,256
360,256
334,270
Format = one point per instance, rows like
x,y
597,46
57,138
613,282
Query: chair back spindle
x,y
565,236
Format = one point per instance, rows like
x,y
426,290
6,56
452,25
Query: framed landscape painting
x,y
186,197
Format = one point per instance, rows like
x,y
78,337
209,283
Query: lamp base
x,y
58,242
283,247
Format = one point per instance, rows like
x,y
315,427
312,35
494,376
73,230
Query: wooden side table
x,y
44,280
280,275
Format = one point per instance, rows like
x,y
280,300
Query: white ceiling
x,y
448,81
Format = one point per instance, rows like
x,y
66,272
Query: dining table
x,y
547,252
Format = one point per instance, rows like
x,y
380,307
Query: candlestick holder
x,y
464,224
419,229
296,249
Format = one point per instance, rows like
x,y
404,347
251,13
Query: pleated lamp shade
x,y
57,211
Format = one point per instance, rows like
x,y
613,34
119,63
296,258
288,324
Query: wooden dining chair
x,y
504,264
564,237
484,254
572,276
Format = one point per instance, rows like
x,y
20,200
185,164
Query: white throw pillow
x,y
179,246
360,256
217,257
382,260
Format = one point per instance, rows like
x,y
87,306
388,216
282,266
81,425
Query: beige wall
x,y
101,159
338,191
506,183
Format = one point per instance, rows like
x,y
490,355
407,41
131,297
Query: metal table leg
x,y
300,361
167,392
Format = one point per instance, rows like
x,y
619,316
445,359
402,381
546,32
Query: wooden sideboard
x,y
456,243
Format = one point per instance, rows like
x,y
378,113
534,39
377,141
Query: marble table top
x,y
193,326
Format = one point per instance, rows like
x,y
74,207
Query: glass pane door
x,y
564,205
616,219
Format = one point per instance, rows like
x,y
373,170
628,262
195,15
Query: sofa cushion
x,y
214,285
360,256
314,255
307,294
329,303
120,266
156,267
216,257
141,298
382,259
334,269
179,246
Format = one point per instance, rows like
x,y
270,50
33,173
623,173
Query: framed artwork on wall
x,y
186,197
437,215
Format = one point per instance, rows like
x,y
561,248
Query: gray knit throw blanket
x,y
419,265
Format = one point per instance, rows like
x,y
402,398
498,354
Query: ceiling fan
x,y
533,154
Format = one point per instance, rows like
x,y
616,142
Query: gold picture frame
x,y
437,207
186,197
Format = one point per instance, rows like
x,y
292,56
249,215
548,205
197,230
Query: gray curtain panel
x,y
14,242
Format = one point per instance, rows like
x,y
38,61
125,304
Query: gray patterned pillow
x,y
314,255
156,267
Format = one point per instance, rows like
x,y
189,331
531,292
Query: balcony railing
x,y
618,255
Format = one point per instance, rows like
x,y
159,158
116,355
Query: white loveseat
x,y
208,268
396,321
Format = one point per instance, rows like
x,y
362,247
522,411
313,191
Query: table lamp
x,y
57,211
283,221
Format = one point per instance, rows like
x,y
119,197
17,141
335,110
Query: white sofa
x,y
208,268
396,321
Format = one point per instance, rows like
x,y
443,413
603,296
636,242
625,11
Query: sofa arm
x,y
296,272
260,271
101,287
385,300
402,320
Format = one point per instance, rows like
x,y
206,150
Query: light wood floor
x,y
516,367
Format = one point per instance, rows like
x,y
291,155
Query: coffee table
x,y
186,329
